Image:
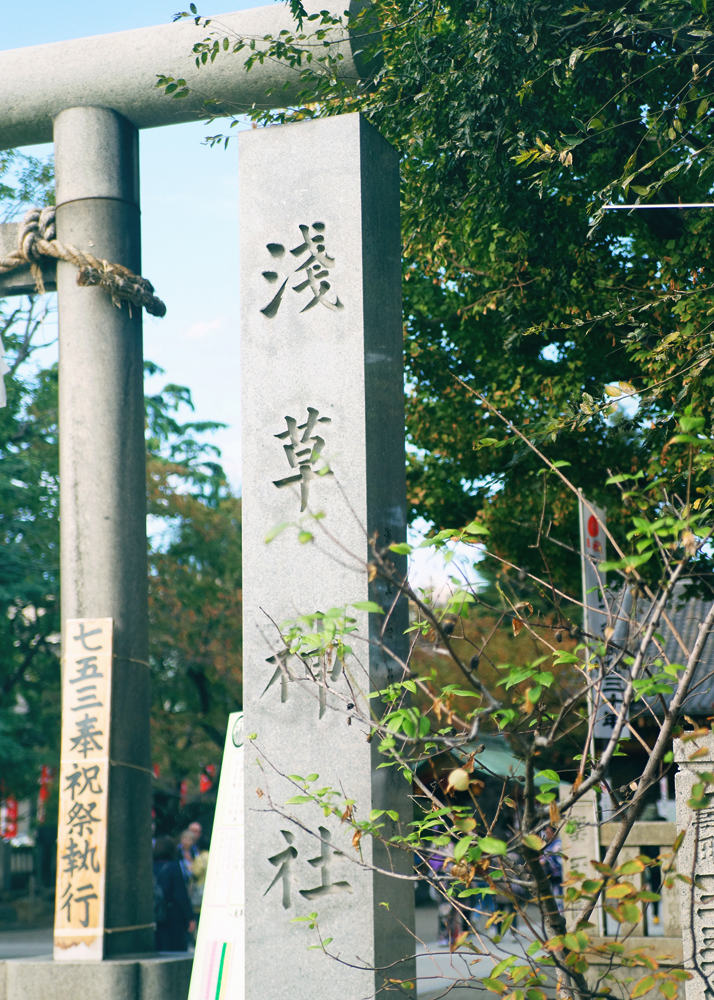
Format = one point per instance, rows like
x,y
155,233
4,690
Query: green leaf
x,y
474,528
566,657
401,548
627,563
490,845
633,867
274,532
370,606
533,841
499,969
494,986
461,848
549,775
643,986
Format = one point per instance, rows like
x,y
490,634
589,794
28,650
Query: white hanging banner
x,y
593,549
219,961
84,782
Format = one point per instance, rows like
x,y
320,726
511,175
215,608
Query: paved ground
x,y
439,972
25,943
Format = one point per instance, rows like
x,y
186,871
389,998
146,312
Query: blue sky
x,y
189,222
190,218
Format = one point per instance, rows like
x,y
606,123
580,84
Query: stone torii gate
x,y
323,183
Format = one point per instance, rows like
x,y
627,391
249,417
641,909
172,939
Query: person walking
x,y
173,912
186,854
197,830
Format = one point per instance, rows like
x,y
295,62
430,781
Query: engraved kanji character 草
x,y
303,451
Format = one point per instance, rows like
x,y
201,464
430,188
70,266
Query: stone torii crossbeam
x,y
91,97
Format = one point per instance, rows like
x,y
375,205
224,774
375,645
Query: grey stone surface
x,y
696,860
155,978
20,281
119,71
102,470
338,178
164,978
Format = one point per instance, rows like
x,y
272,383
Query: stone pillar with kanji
x,y
323,434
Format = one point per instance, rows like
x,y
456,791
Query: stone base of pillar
x,y
152,977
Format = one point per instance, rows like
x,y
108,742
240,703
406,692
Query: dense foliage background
x,y
194,562
517,121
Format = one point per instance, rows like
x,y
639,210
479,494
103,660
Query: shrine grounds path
x,y
437,970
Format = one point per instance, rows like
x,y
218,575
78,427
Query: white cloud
x,y
202,329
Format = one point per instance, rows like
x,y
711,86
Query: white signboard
x,y
593,549
219,961
84,774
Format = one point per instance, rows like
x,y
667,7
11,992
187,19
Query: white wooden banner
x,y
219,962
84,780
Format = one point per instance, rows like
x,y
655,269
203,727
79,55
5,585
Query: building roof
x,y
496,759
686,616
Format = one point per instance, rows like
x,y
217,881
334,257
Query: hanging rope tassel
x,y
36,239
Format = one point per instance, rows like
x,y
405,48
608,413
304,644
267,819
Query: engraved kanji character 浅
x,y
317,266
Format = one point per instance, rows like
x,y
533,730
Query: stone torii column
x,y
91,96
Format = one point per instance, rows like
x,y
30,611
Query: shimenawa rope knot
x,y
36,239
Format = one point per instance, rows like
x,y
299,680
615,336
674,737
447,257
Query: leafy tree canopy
x,y
517,122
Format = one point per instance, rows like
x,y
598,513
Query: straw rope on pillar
x,y
36,239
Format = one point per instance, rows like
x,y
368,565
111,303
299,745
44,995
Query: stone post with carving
x,y
696,860
323,431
